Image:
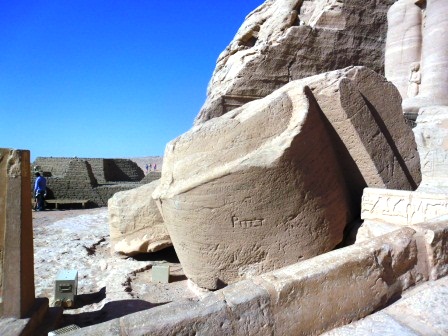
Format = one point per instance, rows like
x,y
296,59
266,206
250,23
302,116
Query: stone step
x,y
421,311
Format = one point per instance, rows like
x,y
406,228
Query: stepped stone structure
x,y
416,59
277,180
285,40
103,170
95,180
151,176
136,225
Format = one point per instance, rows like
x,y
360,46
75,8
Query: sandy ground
x,y
109,286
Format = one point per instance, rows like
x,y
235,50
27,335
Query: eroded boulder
x,y
277,180
135,222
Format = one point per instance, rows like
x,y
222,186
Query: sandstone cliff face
x,y
285,40
277,180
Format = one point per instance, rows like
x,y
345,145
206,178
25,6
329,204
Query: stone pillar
x,y
403,42
416,58
16,234
435,53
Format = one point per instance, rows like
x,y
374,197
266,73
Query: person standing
x,y
40,188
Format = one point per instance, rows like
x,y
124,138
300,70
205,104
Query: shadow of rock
x,y
110,311
88,299
176,278
167,254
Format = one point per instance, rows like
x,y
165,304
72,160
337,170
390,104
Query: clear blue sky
x,y
108,78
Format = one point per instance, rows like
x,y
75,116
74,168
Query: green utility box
x,y
65,288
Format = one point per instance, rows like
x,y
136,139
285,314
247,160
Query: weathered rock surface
x,y
286,40
364,110
422,311
431,134
136,225
310,297
277,180
386,210
417,52
403,43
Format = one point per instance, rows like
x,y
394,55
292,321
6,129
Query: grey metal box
x,y
161,273
65,288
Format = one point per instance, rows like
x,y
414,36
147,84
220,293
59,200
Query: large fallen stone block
x,y
378,148
257,189
135,222
277,180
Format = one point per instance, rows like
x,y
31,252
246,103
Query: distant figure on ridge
x,y
155,166
147,167
40,187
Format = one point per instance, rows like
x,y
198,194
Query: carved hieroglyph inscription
x,y
246,223
434,162
402,207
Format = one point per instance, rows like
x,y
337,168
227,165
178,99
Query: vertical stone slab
x,y
16,234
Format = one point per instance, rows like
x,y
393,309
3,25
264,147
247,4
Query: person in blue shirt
x,y
40,188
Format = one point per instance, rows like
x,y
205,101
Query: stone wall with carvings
x,y
402,207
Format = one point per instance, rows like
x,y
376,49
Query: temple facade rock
x,y
416,58
286,40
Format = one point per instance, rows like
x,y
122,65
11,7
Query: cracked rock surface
x,y
109,286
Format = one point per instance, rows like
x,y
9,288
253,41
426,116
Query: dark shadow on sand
x,y
167,254
110,311
176,278
88,299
